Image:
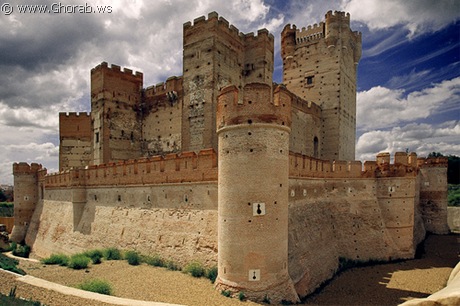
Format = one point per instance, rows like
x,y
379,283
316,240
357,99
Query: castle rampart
x,y
173,168
222,166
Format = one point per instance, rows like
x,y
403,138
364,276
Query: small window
x,y
97,137
309,80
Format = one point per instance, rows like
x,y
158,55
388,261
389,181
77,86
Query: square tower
x,y
320,65
115,114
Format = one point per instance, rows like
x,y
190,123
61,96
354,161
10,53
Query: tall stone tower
x,y
27,193
115,114
216,55
253,134
320,64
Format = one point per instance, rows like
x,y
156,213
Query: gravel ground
x,y
386,284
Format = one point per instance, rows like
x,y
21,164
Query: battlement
x,y
173,83
25,168
311,33
432,162
221,24
338,16
172,168
117,69
404,165
74,114
307,166
259,105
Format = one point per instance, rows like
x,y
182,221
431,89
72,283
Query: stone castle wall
x,y
336,210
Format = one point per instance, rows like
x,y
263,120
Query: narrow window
x,y
97,137
315,147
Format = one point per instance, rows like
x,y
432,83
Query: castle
x,y
223,166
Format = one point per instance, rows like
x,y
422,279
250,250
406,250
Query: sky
x,y
408,78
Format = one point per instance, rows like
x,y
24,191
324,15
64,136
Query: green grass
x,y
97,285
195,269
10,264
79,261
56,259
453,195
13,301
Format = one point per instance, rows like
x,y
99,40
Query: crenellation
x,y
201,160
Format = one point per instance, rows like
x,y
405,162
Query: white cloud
x,y
416,16
420,138
381,107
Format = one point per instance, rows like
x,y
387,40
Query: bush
x,y
195,269
112,254
171,265
95,256
56,259
226,293
21,250
154,260
79,261
133,258
211,274
96,285
241,296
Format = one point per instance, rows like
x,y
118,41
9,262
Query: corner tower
x,y
27,193
253,134
320,65
115,113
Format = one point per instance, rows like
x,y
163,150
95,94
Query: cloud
x,y
381,107
420,138
415,16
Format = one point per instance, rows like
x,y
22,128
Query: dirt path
x,y
388,284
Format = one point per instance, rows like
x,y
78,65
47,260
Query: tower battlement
x,y
117,69
259,105
225,28
173,83
25,168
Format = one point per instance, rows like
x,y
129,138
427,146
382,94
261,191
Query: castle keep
x,y
223,166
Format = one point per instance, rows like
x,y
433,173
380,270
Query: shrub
x,y
154,260
195,269
241,296
56,259
226,293
211,274
171,265
133,258
112,254
266,299
96,285
79,261
95,256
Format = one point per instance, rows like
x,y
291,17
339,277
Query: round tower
x,y
25,198
253,141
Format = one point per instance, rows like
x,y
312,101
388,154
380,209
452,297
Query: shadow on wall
x,y
393,283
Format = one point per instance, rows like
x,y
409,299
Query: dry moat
x,y
385,284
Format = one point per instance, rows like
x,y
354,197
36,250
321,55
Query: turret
x,y
26,196
253,136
